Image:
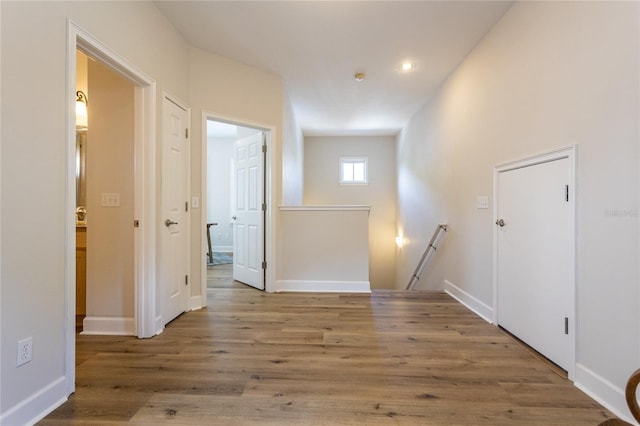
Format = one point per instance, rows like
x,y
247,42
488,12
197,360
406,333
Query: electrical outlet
x,y
25,347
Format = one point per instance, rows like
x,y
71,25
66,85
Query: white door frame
x,y
144,188
270,200
571,154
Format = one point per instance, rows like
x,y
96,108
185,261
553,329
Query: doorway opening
x,y
144,194
236,214
104,199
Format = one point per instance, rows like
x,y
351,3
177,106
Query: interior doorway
x,y
235,207
143,222
104,194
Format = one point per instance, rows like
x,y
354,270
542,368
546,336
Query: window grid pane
x,y
353,170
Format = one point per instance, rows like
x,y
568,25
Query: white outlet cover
x,y
25,348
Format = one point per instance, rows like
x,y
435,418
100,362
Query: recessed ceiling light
x,y
360,76
407,66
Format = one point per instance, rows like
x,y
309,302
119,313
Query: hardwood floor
x,y
320,359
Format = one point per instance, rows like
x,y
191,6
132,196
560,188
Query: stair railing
x,y
431,248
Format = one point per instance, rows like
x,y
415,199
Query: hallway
x,y
258,358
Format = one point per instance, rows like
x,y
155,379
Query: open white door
x,y
248,229
174,234
534,257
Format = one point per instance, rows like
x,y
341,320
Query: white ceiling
x,y
318,46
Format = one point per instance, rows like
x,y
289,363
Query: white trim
x,y
144,180
603,391
34,408
158,324
325,208
270,196
353,160
222,249
195,303
109,326
571,154
313,286
477,306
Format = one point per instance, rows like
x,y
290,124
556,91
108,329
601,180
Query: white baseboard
x,y
195,302
159,325
603,391
483,310
119,326
222,249
323,286
37,406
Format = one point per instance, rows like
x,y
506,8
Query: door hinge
x,y
566,325
264,207
186,206
264,265
264,148
186,280
186,133
566,193
136,224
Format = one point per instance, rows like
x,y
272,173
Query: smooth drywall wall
x,y
34,116
220,155
110,140
229,90
326,249
322,187
292,157
549,75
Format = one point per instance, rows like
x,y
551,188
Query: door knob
x,y
500,222
233,217
169,222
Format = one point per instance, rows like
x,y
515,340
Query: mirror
x,y
81,181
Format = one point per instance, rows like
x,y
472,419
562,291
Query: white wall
x,y
292,157
220,154
34,171
326,249
321,187
549,75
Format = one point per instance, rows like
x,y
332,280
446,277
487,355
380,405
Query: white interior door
x,y
534,257
248,219
174,219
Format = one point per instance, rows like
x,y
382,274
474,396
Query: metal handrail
x,y
431,246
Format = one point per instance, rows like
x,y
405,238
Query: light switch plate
x,y
482,202
110,199
195,202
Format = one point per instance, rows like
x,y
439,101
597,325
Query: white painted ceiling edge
x,y
318,46
218,129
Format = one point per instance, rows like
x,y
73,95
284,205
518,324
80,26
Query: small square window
x,y
353,171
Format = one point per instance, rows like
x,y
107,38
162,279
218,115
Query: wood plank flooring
x,y
320,359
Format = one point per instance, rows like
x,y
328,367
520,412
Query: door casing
x,y
144,189
569,153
